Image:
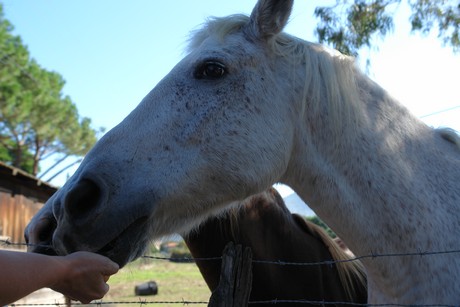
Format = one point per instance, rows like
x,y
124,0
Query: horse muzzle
x,y
70,222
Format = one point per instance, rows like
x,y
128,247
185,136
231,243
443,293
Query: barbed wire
x,y
348,303
9,243
278,261
100,303
272,302
272,262
359,258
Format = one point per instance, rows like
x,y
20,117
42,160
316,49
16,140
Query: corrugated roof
x,y
14,171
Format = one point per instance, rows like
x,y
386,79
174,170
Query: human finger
x,y
110,268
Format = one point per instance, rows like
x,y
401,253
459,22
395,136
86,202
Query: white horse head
x,y
189,149
250,106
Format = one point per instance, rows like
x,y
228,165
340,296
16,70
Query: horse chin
x,y
125,246
42,249
129,245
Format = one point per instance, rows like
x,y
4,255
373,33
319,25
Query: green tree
x,y
7,155
349,25
36,119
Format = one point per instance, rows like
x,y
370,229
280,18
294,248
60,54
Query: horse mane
x,y
329,75
351,272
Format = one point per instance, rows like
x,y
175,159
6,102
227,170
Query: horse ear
x,y
269,17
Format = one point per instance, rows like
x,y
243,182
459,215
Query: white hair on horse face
x,y
328,73
218,27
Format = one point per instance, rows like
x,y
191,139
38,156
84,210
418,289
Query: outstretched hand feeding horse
x,y
250,106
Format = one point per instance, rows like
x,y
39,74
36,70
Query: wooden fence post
x,y
68,301
235,278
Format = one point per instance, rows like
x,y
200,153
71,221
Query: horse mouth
x,y
127,245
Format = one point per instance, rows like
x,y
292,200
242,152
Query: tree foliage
x,y
349,25
36,119
316,220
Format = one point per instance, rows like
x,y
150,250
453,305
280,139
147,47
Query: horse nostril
x,y
47,231
82,198
39,234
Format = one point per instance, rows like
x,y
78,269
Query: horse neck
x,y
206,244
379,179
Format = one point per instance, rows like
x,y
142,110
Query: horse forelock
x,y
351,273
219,27
330,77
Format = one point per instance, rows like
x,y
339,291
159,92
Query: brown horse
x,y
263,223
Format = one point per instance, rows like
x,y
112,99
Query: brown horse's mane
x,y
351,272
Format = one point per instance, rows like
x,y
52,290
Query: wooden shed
x,y
21,196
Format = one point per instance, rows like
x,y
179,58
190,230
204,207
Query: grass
x,y
175,281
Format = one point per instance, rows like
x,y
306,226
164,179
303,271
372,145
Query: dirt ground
x,y
43,296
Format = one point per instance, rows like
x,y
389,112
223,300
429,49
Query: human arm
x,y
81,275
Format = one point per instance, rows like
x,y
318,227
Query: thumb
x,y
109,268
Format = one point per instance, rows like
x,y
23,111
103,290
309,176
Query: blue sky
x,y
112,53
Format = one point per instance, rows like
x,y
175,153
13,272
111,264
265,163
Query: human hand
x,y
84,276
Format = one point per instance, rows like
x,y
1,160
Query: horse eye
x,y
211,70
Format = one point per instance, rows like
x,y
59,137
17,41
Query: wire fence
x,y
280,262
271,302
